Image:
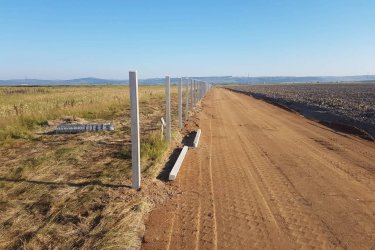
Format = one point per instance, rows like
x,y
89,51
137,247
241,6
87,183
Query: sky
x,y
51,39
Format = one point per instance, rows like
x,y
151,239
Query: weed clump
x,y
152,147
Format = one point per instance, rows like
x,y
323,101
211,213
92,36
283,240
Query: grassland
x,y
72,191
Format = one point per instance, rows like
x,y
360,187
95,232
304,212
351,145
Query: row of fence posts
x,y
195,89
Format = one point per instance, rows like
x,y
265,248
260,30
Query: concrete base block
x,y
177,165
197,136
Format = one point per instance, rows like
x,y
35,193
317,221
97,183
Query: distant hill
x,y
80,81
211,79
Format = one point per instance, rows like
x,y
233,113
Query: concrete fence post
x,y
134,106
187,99
180,103
192,94
200,90
195,93
197,88
198,96
168,134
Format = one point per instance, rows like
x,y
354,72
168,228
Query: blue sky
x,y
51,39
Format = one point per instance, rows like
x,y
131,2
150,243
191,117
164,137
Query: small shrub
x,y
63,151
152,147
125,153
16,133
29,122
43,123
89,115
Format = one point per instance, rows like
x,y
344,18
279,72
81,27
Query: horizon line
x,y
114,79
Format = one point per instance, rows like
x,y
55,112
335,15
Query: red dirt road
x,y
266,178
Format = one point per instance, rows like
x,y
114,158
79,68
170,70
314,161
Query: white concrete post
x,y
195,92
192,94
180,103
198,82
136,167
199,90
168,134
187,99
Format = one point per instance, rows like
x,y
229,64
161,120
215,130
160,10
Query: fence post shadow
x,y
71,184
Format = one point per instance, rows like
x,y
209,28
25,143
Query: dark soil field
x,y
349,107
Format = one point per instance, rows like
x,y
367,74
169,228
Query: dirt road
x,y
267,178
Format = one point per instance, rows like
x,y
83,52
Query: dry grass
x,y
23,109
72,191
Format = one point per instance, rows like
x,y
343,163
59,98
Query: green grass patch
x,y
152,147
35,161
125,153
16,132
63,151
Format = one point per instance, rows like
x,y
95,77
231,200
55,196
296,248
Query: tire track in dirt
x,y
270,146
334,185
298,222
242,223
212,189
188,219
263,178
346,157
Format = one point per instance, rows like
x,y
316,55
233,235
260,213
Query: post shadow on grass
x,y
188,140
71,184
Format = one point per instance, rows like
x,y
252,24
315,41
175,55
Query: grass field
x,y
72,191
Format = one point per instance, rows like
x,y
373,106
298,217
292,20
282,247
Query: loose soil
x,y
349,106
266,178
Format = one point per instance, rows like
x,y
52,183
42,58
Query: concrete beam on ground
x,y
177,165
